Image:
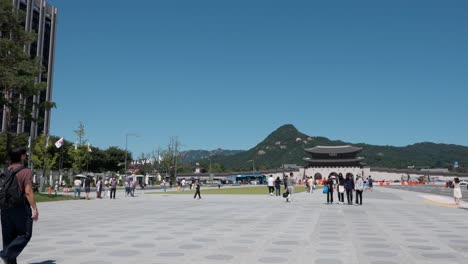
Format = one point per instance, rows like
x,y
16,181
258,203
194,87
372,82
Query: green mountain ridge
x,y
286,145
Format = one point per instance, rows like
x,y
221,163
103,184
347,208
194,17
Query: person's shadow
x,y
45,262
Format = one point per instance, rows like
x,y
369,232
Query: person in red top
x,y
17,222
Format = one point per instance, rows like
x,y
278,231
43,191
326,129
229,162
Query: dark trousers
x,y
341,197
278,190
330,195
271,189
17,228
112,193
349,195
197,192
358,197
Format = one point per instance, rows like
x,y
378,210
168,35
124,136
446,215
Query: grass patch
x,y
257,190
41,197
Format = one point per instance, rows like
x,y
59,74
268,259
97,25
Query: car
x,y
463,183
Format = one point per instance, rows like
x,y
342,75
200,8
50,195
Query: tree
x,y
79,153
43,158
19,72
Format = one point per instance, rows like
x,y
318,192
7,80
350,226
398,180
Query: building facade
x,y
41,18
324,161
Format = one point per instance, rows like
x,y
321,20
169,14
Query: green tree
x,y
79,153
43,158
18,70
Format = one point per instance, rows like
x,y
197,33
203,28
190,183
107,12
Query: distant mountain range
x,y
286,145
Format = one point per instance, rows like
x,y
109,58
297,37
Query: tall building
x,y
41,18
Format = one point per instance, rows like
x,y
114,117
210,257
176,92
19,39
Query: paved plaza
x,y
393,226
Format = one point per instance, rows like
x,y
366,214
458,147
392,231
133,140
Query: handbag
x,y
325,189
340,188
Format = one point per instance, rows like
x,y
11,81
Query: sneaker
x,y
271,194
355,204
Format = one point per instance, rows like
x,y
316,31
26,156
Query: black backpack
x,y
10,195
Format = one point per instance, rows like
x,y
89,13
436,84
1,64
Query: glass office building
x,y
41,18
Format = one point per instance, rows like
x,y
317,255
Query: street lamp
x,y
126,151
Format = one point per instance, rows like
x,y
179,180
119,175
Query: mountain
x,y
192,156
286,145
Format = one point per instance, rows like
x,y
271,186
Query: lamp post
x,y
126,149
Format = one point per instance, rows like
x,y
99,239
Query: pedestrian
x,y
127,187
106,187
291,184
349,186
341,189
99,188
87,187
278,186
56,187
310,183
179,185
17,221
271,185
183,184
133,185
113,188
370,183
457,195
77,184
359,187
197,190
329,183
285,182
164,185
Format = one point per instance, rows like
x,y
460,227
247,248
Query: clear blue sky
x,y
225,74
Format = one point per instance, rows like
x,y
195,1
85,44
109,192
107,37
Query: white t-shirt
x,y
183,182
77,182
271,181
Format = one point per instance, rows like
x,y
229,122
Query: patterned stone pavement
x,y
392,226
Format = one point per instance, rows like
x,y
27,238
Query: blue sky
x,y
225,74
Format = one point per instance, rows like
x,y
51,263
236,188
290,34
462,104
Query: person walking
x,y
341,189
127,187
329,184
457,195
291,182
99,188
87,187
271,185
359,187
113,188
106,187
17,221
370,183
197,190
278,186
349,186
183,184
56,187
310,184
77,184
164,185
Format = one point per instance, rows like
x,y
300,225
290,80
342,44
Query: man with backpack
x,y
18,207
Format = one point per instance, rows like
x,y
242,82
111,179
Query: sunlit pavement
x,y
392,226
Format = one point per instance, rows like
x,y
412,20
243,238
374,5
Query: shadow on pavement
x,y
45,262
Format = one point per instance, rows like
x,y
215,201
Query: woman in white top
x,y
457,195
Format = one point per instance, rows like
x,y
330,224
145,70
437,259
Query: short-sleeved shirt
x,y
23,176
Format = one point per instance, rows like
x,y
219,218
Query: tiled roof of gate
x,y
333,149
